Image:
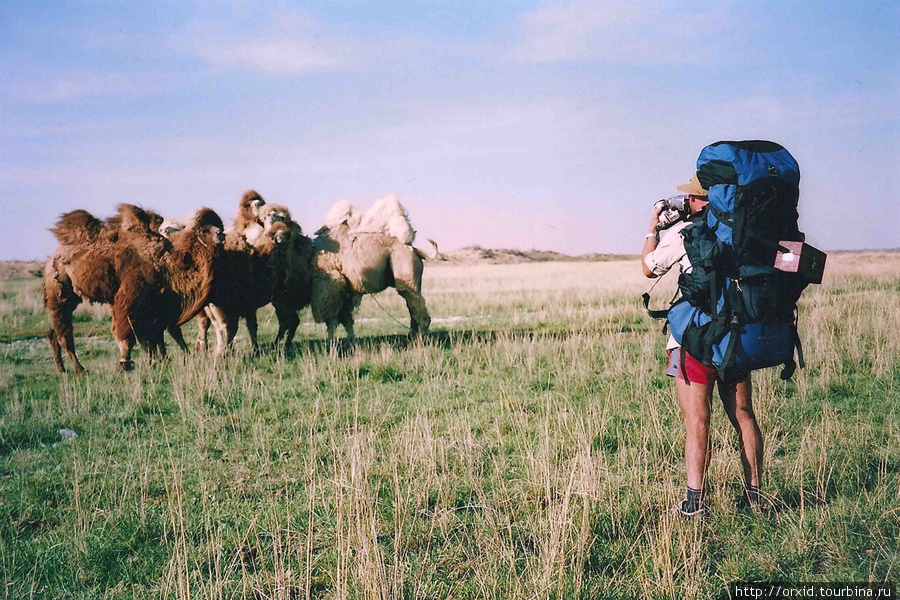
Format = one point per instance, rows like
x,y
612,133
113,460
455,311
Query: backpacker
x,y
737,311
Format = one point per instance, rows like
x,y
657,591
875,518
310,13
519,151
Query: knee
x,y
743,416
697,420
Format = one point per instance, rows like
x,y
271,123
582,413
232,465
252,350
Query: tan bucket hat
x,y
692,187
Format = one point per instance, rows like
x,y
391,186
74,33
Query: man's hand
x,y
654,220
651,242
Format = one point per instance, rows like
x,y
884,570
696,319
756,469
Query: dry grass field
x,y
529,448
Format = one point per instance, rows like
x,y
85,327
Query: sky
x,y
528,125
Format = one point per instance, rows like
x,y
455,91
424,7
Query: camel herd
x,y
157,273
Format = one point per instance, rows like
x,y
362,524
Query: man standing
x,y
695,393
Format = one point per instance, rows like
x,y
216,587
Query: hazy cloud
x,y
283,43
48,88
640,31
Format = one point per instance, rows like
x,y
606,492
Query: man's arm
x,y
650,243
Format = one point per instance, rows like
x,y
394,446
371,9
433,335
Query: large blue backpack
x,y
737,312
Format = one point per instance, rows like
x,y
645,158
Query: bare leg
x,y
737,398
695,406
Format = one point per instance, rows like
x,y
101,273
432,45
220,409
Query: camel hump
x,y
77,227
343,212
388,216
134,218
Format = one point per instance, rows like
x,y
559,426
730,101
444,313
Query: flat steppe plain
x,y
529,448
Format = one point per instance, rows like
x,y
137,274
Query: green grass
x,y
529,448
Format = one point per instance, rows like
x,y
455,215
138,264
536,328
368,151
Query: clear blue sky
x,y
527,124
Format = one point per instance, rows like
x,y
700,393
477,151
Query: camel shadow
x,y
439,338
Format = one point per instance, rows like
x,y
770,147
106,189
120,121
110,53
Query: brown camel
x,y
291,292
150,283
248,211
246,277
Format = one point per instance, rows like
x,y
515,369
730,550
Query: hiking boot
x,y
689,510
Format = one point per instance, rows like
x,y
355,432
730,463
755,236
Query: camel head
x,y
207,226
280,233
250,204
170,226
270,214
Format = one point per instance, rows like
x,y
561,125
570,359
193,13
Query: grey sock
x,y
693,499
753,494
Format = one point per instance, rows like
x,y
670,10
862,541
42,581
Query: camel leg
x,y
203,322
69,341
330,325
56,351
221,324
292,325
231,327
62,337
125,346
175,332
407,269
282,314
252,328
419,319
347,322
288,321
61,302
161,347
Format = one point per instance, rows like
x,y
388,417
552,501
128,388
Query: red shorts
x,y
696,371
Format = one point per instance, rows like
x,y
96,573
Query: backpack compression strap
x,y
654,314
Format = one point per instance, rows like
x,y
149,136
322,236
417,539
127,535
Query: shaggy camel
x,y
248,211
86,264
291,292
357,255
151,283
246,277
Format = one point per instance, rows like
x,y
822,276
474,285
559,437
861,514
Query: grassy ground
x,y
530,448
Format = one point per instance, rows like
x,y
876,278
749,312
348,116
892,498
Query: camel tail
x,y
425,256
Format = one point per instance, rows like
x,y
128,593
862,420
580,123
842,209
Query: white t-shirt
x,y
668,253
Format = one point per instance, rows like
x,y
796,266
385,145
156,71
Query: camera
x,y
672,209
